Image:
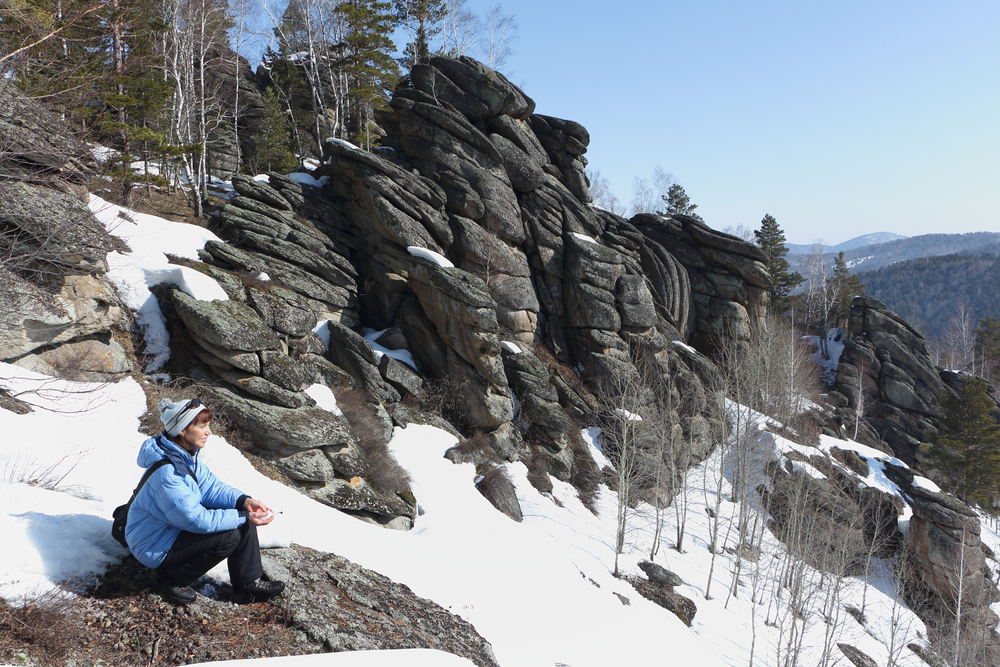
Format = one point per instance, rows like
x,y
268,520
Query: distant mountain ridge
x,y
926,291
872,257
874,238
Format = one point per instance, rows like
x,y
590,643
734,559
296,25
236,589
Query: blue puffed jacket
x,y
177,497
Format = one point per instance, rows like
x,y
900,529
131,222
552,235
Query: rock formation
x,y
57,314
468,228
887,384
467,242
823,509
343,607
469,235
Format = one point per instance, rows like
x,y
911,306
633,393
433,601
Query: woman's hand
x,y
258,513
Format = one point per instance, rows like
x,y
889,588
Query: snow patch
x,y
430,255
341,142
404,356
511,347
309,179
685,346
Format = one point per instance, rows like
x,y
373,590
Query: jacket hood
x,y
154,449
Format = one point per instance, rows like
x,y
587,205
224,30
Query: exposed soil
x,y
121,621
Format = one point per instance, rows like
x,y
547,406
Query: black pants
x,y
194,554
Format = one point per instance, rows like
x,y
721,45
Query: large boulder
x,y
227,324
281,429
32,317
344,607
946,554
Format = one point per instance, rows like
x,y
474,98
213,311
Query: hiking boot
x,y
257,591
170,589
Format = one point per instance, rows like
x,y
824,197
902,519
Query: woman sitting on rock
x,y
184,521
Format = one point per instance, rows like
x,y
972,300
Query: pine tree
x,y
367,61
771,240
678,202
56,50
271,139
966,449
290,86
845,286
422,20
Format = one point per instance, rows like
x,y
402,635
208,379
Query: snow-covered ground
x,y
826,353
541,591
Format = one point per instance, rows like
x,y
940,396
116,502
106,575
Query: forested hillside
x,y
168,87
928,291
872,257
874,238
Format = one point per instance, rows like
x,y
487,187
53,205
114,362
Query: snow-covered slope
x,y
541,591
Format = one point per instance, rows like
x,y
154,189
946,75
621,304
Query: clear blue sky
x,y
838,119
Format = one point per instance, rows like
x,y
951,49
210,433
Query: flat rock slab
x,y
346,607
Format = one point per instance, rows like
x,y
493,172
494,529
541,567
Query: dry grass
x,y
382,471
121,622
585,476
477,448
538,470
492,476
37,627
442,397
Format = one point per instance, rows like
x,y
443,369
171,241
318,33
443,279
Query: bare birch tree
x,y
501,31
460,29
960,339
600,190
643,197
625,398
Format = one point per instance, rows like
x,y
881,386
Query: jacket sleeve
x,y
215,494
180,506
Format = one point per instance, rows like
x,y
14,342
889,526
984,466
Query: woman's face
x,y
195,435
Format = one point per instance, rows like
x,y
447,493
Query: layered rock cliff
x,y
886,383
58,315
470,227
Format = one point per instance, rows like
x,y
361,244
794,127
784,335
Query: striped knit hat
x,y
176,415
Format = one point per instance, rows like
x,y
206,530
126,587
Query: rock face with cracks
x,y
58,316
821,507
467,173
345,607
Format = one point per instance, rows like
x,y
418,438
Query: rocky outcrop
x,y
824,510
57,314
821,508
887,380
727,277
947,555
659,588
344,607
946,564
37,146
468,228
857,657
238,91
886,385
